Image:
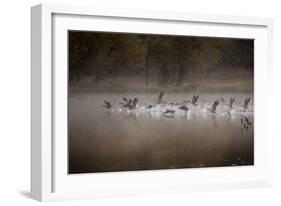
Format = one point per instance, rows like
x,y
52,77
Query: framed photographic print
x,y
134,102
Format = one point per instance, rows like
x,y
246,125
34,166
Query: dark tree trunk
x,y
98,72
162,74
182,73
146,70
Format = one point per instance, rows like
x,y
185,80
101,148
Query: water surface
x,y
122,140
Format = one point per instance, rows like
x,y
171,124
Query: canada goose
x,y
127,103
169,111
130,107
246,103
159,99
214,107
231,102
183,108
107,104
135,102
242,123
194,100
247,121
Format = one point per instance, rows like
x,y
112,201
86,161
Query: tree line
x,y
104,55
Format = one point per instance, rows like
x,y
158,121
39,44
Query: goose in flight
x,y
194,100
126,102
248,121
245,123
159,99
107,105
246,103
133,104
130,104
242,123
214,107
231,102
183,108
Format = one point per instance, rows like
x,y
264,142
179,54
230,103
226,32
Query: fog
x,y
102,140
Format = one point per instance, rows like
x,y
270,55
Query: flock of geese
x,y
168,109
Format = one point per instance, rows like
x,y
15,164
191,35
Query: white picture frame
x,y
49,181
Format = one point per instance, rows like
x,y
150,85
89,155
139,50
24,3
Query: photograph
x,y
139,102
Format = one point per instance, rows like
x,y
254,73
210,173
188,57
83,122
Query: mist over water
x,y
107,65
122,140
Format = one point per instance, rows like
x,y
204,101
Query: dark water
x,y
119,140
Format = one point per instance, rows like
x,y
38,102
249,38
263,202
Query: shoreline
x,y
199,89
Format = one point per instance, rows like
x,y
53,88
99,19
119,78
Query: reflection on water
x,y
145,139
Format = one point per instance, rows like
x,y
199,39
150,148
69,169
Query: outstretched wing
x,y
106,103
127,104
183,107
196,98
249,99
125,99
231,101
215,104
135,102
246,102
160,97
193,99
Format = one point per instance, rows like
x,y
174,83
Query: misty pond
x,y
119,139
